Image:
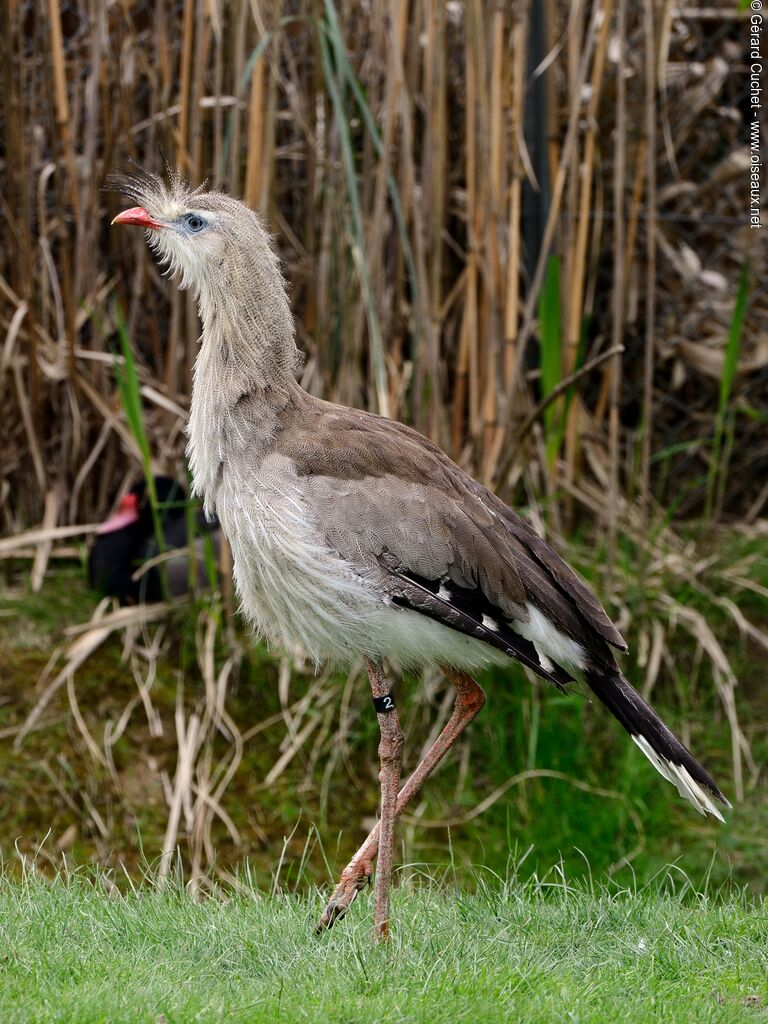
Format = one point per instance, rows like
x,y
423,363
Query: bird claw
x,y
344,896
332,913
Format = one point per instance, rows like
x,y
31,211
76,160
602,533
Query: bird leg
x,y
355,876
390,760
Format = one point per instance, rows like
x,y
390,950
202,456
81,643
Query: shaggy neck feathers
x,y
246,316
246,368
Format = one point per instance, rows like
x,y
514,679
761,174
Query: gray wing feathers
x,y
426,533
563,577
376,485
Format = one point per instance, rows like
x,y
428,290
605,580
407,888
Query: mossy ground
x,y
57,797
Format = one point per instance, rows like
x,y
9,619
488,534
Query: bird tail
x,y
662,748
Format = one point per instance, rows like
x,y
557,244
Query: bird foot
x,y
353,880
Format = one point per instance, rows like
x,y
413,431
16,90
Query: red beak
x,y
138,216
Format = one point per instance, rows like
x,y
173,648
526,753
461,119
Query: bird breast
x,y
293,588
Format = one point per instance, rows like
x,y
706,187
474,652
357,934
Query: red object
x,y
137,215
127,514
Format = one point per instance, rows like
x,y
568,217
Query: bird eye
x,y
195,223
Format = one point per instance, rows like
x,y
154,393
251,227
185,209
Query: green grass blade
x,y
331,45
130,397
733,347
128,388
358,93
245,81
718,466
510,950
551,356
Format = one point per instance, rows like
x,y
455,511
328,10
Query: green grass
x,y
508,952
718,466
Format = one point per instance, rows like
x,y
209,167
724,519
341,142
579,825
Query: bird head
x,y
217,246
199,235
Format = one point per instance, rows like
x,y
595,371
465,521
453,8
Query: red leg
x,y
355,876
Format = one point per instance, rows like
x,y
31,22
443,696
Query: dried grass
x,y
392,158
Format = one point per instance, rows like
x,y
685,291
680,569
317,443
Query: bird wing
x,y
449,547
462,610
385,496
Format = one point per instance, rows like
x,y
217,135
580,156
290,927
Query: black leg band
x,y
384,704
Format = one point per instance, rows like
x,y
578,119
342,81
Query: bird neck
x,y
247,321
245,369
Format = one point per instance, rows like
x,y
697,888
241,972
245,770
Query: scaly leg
x,y
390,759
355,876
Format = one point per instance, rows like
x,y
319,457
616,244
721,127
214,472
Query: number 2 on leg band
x,y
384,704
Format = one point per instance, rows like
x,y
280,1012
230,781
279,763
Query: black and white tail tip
x,y
662,748
682,779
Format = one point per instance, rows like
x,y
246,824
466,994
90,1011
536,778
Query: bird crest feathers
x,y
152,191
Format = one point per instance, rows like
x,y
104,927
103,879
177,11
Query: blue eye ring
x,y
194,222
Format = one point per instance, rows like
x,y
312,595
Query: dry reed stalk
x,y
489,415
568,297
183,158
162,50
617,321
569,230
493,311
576,292
560,389
497,134
266,203
548,236
517,143
58,67
144,680
649,140
17,200
553,135
11,336
635,209
192,141
77,653
187,732
87,227
410,197
256,129
90,742
435,157
509,288
482,234
217,30
210,780
10,546
50,515
469,322
375,235
17,195
25,411
239,43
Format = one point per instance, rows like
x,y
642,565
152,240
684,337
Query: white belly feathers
x,y
297,592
